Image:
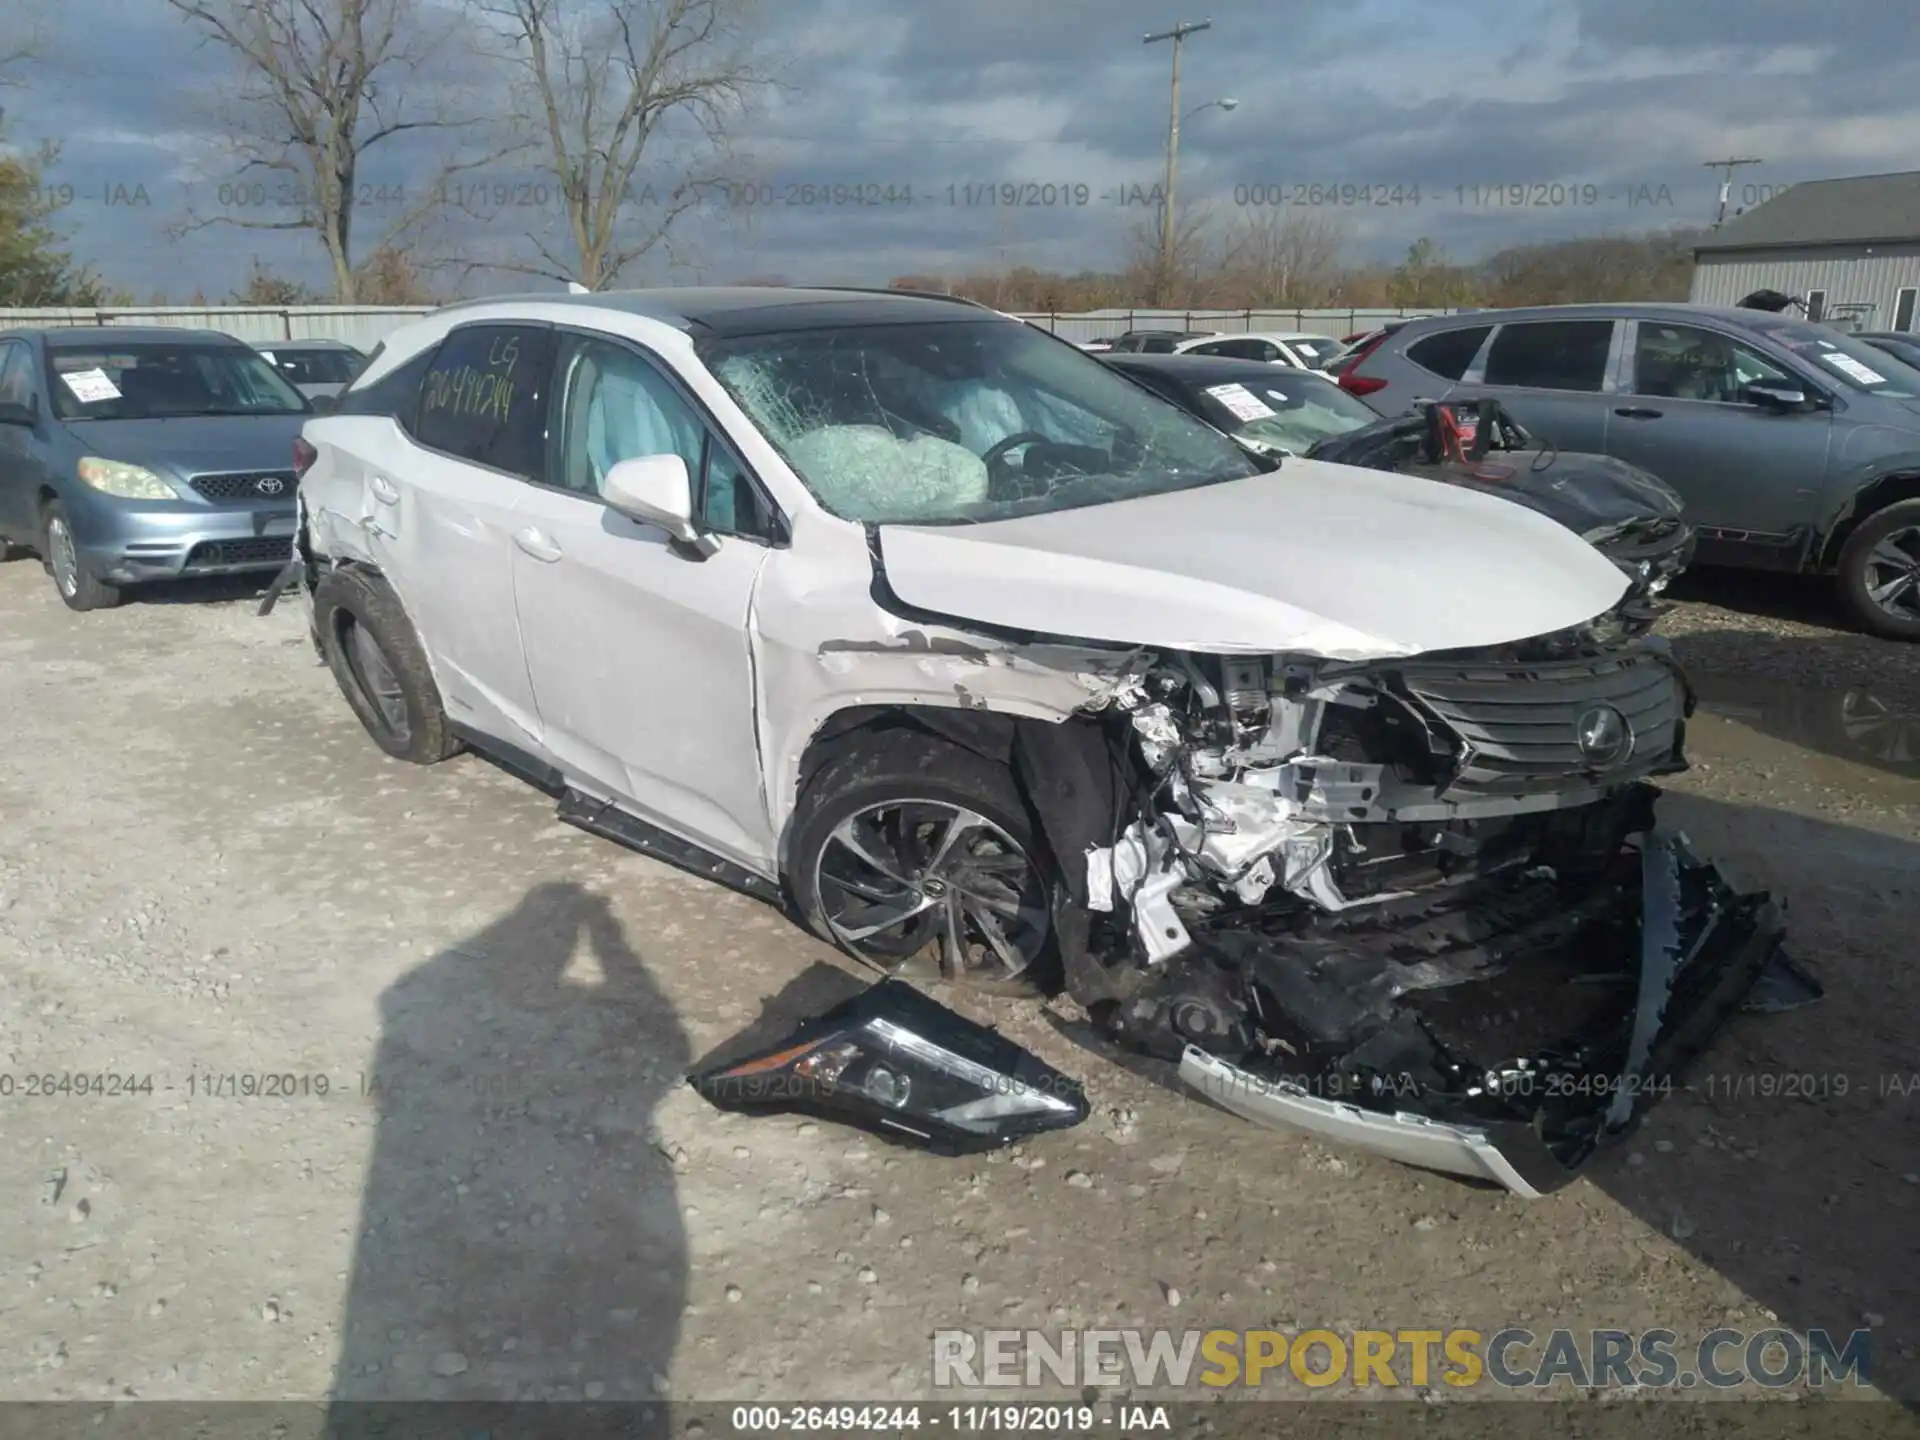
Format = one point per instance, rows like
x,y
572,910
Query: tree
x,y
1173,278
1427,277
1658,266
263,287
325,83
23,44
389,276
34,270
604,84
1285,257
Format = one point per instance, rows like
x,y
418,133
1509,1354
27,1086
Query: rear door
x,y
638,650
440,486
1751,477
1553,375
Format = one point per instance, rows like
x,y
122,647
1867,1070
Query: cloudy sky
x,y
1392,118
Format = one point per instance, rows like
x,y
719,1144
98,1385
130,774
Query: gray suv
x,y
1794,446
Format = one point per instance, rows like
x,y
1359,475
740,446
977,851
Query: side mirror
x,y
656,490
1776,396
12,412
324,404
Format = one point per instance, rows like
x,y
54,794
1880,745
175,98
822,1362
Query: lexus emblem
x,y
1603,735
270,485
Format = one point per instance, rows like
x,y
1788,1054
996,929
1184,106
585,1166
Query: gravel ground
x,y
208,873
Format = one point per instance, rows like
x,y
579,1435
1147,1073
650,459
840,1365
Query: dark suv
x,y
1795,447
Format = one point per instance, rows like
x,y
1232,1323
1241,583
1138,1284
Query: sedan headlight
x,y
129,482
897,1063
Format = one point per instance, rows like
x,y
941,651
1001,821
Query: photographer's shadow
x,y
520,1235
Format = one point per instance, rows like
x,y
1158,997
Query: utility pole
x,y
1178,35
1726,183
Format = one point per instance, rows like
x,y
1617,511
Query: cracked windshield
x,y
959,423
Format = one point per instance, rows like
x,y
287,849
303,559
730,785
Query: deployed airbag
x,y
867,470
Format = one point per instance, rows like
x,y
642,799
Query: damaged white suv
x,y
1328,784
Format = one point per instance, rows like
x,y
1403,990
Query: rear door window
x,y
1551,355
484,397
1449,353
395,394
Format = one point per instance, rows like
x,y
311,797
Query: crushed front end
x,y
1421,907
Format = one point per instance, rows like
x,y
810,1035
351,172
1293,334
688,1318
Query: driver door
x,y
1743,470
638,650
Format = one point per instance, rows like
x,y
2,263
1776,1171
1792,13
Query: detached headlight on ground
x,y
895,1062
129,482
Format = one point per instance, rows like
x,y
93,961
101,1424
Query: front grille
x,y
246,485
1521,725
263,550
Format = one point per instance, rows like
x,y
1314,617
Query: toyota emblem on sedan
x,y
1603,735
270,485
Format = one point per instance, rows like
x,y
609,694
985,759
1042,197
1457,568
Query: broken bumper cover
x,y
1698,965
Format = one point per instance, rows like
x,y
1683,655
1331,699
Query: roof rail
x,y
890,290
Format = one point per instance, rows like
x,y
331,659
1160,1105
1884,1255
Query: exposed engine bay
x,y
1418,906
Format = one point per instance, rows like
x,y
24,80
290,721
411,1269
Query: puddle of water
x,y
1854,725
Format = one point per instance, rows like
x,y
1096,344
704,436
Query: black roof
x,y
721,311
1204,370
1855,210
93,337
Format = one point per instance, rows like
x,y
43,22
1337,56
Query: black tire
x,y
11,551
877,769
78,587
378,662
1858,569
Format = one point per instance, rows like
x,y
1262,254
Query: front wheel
x,y
76,584
1879,572
917,857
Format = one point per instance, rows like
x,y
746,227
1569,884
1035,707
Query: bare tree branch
x,y
24,43
605,84
324,82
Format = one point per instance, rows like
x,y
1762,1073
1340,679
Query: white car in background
x,y
1277,347
991,665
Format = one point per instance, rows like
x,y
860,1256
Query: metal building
x,y
1849,249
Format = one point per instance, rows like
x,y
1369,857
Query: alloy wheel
x,y
931,890
62,556
1893,573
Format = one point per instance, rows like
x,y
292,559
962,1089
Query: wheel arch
x,y
987,732
1867,499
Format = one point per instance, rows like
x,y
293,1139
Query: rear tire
x,y
957,862
1882,558
380,666
60,554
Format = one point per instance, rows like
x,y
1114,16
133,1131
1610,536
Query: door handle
x,y
384,490
1638,412
536,544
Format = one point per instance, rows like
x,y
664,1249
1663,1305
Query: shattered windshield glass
x,y
963,422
